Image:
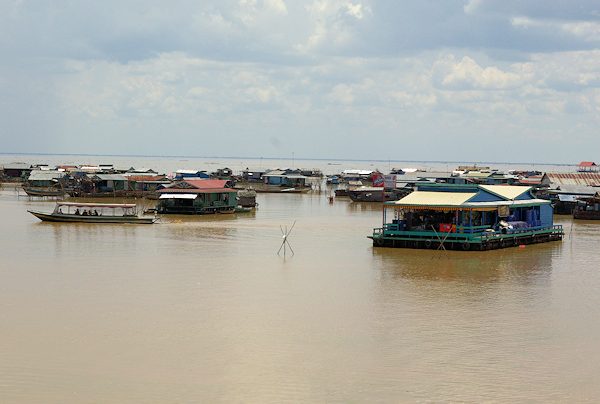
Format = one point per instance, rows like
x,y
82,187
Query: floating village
x,y
470,208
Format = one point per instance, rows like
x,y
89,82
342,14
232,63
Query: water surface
x,y
201,309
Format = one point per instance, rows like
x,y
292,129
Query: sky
x,y
469,80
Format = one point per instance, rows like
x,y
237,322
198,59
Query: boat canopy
x,y
97,205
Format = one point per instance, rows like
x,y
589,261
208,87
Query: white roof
x,y
507,203
45,175
358,172
418,198
178,196
506,191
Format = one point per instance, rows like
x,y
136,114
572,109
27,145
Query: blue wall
x,y
546,212
524,197
274,180
484,196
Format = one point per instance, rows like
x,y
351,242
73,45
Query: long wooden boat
x,y
43,191
74,212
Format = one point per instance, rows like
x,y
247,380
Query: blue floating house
x,y
467,217
191,174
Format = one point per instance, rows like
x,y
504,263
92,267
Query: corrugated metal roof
x,y
413,176
16,166
568,197
574,189
274,173
42,175
506,191
477,174
435,198
585,179
205,184
147,178
110,177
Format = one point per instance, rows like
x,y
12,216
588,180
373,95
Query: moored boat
x,y
588,208
374,194
75,212
44,191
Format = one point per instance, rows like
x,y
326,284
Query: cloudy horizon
x,y
448,81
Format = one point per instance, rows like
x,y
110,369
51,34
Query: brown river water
x,y
201,309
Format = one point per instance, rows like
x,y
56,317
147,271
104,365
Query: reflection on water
x,y
533,261
201,309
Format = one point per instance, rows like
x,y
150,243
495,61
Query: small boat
x,y
44,191
588,208
375,194
94,213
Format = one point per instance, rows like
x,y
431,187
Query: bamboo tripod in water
x,y
285,242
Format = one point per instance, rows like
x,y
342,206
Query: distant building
x,y
197,197
17,170
191,174
588,167
252,175
109,182
280,178
586,179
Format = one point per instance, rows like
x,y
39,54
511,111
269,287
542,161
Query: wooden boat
x,y
75,212
44,191
374,194
588,208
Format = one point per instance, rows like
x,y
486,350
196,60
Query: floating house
x,y
17,170
252,175
565,197
196,197
588,167
44,183
586,179
222,173
190,174
283,179
466,217
146,183
109,182
356,175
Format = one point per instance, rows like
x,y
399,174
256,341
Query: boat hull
x,y
57,217
586,214
43,191
374,196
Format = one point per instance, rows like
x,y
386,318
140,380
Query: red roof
x,y
206,184
587,164
195,190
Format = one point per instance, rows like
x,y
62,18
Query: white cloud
x,y
268,67
467,74
342,93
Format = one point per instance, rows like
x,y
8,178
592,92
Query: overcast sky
x,y
468,80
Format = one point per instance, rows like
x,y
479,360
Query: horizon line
x,y
287,158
